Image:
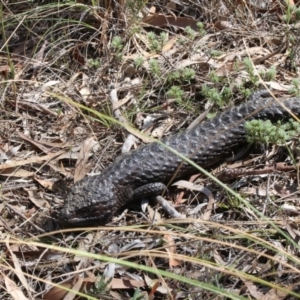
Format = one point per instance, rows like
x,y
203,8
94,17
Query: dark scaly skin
x,y
95,199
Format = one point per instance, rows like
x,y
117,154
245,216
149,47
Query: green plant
x,y
246,93
176,93
211,115
117,44
201,30
266,132
58,111
188,74
134,29
295,89
94,62
138,62
135,6
297,14
138,295
270,74
181,40
226,93
154,67
215,53
233,202
190,33
101,287
254,79
157,42
163,37
292,14
214,77
174,76
218,98
154,43
181,75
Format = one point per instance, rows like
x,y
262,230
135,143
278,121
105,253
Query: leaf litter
x,y
46,144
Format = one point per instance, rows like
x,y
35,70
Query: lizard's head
x,y
92,201
88,204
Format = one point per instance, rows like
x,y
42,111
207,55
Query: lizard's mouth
x,y
80,222
84,217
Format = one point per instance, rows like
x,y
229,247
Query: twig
x,y
168,208
131,139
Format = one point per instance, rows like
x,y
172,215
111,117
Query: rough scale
x,y
143,171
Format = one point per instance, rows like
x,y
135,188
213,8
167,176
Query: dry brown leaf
x,y
277,86
81,168
179,199
12,151
129,70
140,49
154,288
16,172
2,206
84,245
163,127
85,93
4,69
77,56
125,283
196,187
253,51
154,215
221,25
116,283
159,20
253,289
286,189
154,283
45,183
75,288
291,3
86,283
292,232
31,160
60,169
39,145
290,210
210,205
171,249
170,43
274,294
69,155
201,61
258,191
37,200
18,270
230,63
13,289
39,254
56,293
218,258
123,101
171,5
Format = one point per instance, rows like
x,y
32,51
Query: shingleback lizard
x,y
142,172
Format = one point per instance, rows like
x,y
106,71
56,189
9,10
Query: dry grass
x,y
152,65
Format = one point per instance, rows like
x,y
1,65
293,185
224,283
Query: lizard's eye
x,y
83,210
